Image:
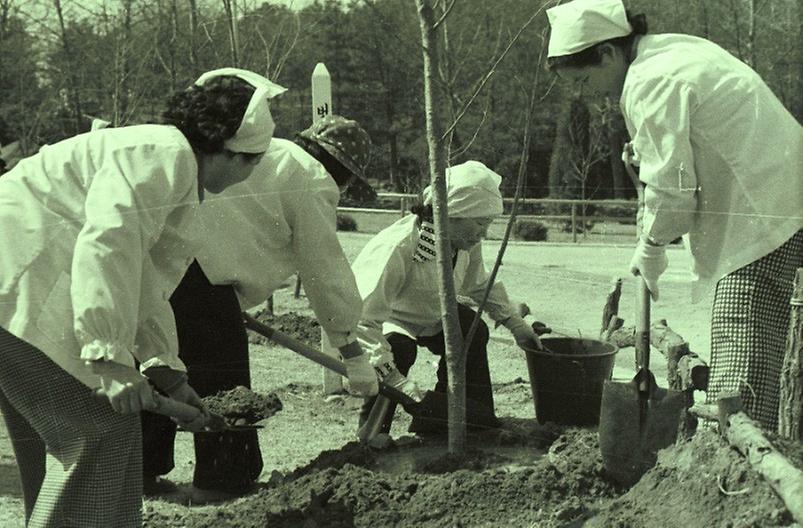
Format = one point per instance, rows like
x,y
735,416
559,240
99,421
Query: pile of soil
x,y
702,482
242,406
301,327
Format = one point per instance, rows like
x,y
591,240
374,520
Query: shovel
x,y
187,413
638,418
429,414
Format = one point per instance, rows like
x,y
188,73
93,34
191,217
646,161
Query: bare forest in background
x,y
63,62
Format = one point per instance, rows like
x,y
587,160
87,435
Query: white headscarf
x,y
580,24
256,129
472,191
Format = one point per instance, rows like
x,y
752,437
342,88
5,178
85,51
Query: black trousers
x,y
478,377
214,346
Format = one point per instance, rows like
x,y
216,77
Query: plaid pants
x,y
749,326
79,461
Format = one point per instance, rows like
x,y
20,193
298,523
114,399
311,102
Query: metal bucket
x,y
567,380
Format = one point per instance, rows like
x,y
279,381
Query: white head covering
x,y
472,191
256,129
580,24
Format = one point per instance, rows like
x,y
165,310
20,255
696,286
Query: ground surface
x,y
521,477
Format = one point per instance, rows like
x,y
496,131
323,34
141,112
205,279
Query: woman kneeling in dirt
x,y
397,277
94,236
722,161
281,221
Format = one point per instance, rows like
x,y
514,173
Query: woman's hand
x,y
125,388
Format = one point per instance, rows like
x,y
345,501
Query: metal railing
x,y
574,216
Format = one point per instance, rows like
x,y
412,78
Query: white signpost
x,y
322,107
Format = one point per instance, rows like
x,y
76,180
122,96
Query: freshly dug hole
x,y
242,406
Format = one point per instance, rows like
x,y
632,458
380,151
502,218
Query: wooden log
x,y
611,305
614,324
790,408
748,438
705,411
693,372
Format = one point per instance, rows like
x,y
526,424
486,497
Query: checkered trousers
x,y
92,473
749,327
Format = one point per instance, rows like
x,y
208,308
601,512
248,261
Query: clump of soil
x,y
301,327
242,406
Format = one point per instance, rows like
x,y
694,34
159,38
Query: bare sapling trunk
x,y
791,390
433,102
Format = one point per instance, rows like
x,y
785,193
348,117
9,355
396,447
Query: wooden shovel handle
x,y
174,408
643,327
320,358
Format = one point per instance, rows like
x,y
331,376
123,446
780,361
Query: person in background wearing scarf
x,y
95,234
398,281
722,161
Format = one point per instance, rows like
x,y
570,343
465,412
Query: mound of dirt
x,y
702,482
301,327
241,406
555,489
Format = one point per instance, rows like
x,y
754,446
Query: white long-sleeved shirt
x,y
401,295
282,220
94,238
721,158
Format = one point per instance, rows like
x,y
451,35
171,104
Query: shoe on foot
x,y
155,485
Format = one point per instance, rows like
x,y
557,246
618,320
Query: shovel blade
x,y
629,437
431,415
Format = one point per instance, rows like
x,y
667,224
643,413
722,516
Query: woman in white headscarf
x,y
397,277
722,161
94,236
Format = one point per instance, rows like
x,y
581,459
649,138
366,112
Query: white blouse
x,y
94,238
721,158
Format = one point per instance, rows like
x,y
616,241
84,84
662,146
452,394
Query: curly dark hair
x,y
210,114
592,56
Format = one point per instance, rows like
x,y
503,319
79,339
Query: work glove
x,y
523,333
126,389
361,375
391,376
650,262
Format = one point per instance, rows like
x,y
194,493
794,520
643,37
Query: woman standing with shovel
x,y
397,277
722,160
94,236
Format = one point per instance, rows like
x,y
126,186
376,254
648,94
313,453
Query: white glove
x,y
650,262
629,156
391,376
523,333
362,377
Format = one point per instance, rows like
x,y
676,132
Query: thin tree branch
x,y
490,73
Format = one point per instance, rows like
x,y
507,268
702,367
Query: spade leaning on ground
x,y
280,222
94,235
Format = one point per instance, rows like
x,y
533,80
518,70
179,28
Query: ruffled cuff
x,y
172,362
97,350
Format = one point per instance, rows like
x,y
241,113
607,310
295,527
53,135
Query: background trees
x,y
117,59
